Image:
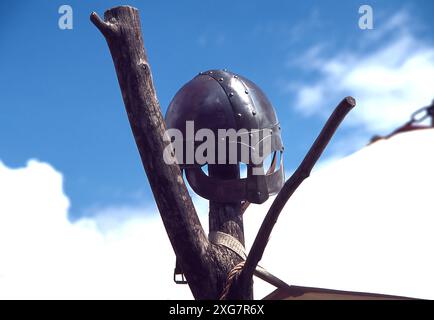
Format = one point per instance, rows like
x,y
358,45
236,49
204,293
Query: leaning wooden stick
x,y
122,31
302,172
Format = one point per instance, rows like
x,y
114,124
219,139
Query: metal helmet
x,y
225,102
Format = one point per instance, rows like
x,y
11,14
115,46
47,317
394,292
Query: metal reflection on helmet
x,y
222,101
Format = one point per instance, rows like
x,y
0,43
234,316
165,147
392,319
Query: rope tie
x,y
231,276
231,243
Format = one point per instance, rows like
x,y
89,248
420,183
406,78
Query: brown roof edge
x,y
307,293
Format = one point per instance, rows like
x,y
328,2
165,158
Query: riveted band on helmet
x,y
254,188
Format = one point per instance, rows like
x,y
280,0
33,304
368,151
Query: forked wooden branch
x,y
302,172
205,265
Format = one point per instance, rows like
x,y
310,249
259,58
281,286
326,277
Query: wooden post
x,y
228,218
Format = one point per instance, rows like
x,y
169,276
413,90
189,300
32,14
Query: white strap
x,y
227,241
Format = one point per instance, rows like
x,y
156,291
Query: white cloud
x,y
391,74
362,223
43,255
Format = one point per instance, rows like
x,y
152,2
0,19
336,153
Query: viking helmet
x,y
215,104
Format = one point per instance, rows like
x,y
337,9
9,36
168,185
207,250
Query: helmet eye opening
x,y
204,168
272,162
243,170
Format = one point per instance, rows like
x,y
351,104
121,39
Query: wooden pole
x,y
228,218
121,28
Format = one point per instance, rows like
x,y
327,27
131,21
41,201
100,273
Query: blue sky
x,y
60,101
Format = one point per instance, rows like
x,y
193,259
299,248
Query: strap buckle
x,y
178,276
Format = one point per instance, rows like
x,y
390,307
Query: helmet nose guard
x,y
216,100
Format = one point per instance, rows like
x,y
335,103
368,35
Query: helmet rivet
x,y
220,79
225,70
231,94
254,112
200,73
271,131
258,194
235,76
210,72
246,91
239,115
